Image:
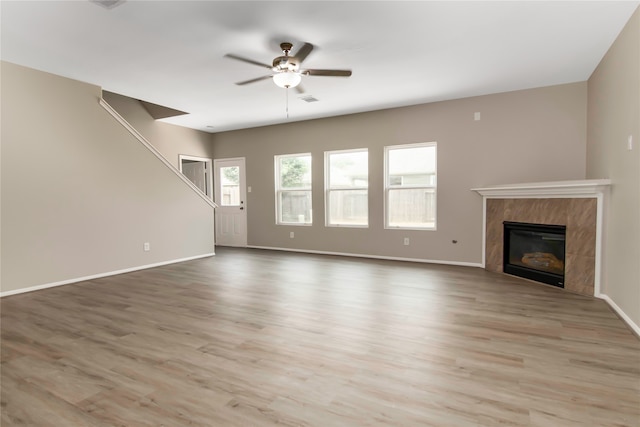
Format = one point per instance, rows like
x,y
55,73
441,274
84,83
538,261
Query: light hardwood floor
x,y
259,338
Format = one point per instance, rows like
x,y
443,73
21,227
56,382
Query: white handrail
x,y
151,148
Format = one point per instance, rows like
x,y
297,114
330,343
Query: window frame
x,y
388,186
328,189
279,190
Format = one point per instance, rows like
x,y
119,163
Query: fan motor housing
x,y
285,63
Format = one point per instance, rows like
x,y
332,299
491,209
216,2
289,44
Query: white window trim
x,y
388,186
327,190
279,191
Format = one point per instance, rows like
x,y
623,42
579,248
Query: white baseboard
x,y
425,261
98,276
621,313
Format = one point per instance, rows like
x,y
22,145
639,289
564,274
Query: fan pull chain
x,y
287,100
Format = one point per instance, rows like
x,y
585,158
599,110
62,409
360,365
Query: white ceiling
x,y
402,53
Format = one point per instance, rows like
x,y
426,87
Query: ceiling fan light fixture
x,y
287,79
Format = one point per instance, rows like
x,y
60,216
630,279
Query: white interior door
x,y
230,195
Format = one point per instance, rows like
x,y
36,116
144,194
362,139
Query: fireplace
x,y
535,251
579,204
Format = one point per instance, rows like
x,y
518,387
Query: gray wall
x,y
80,195
524,136
613,115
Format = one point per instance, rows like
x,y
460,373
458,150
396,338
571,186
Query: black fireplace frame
x,y
525,272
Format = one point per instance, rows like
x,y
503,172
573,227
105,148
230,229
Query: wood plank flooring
x,y
259,338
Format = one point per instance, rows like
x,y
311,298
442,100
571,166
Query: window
x,y
230,186
410,186
347,181
293,189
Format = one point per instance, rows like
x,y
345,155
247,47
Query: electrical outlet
x,y
406,241
291,234
147,246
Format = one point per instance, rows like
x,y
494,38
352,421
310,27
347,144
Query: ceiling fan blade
x,y
303,52
250,61
299,89
257,79
334,73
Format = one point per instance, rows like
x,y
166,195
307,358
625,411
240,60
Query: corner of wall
x,y
613,115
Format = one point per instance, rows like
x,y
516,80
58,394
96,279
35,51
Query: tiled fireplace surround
x,y
578,205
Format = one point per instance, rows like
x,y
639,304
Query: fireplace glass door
x,y
535,251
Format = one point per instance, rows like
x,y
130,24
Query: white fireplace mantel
x,y
596,188
576,188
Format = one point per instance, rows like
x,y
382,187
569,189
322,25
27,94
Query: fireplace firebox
x,y
535,251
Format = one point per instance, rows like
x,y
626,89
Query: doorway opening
x,y
199,171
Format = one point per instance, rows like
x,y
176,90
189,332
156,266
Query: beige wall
x,y
170,140
80,195
613,115
524,136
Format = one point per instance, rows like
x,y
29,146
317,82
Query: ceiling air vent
x,y
309,98
108,4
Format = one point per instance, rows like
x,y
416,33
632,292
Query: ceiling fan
x,y
286,71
